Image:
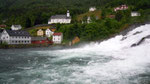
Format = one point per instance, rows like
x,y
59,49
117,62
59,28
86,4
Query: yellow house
x,y
75,40
40,32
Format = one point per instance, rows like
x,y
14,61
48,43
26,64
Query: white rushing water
x,y
113,61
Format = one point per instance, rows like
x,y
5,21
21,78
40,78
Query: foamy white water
x,y
113,61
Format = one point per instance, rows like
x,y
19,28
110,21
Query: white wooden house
x,y
60,19
134,14
16,27
15,37
48,33
89,20
92,9
57,38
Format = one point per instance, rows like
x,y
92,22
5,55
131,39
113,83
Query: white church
x,y
62,19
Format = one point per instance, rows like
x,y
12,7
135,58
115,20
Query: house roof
x,y
17,33
38,38
91,8
40,30
47,30
3,26
1,30
57,34
60,17
16,25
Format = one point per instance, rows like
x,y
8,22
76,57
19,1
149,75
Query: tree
x,y
119,15
85,19
91,31
93,18
28,22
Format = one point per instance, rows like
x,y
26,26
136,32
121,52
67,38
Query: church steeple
x,y
68,13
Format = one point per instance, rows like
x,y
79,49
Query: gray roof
x,y
16,25
17,33
1,30
38,38
60,17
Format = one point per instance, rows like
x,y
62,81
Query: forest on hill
x,y
38,11
31,12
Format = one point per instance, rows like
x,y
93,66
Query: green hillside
x,y
32,12
96,13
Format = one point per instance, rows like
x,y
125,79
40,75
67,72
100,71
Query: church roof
x,y
60,17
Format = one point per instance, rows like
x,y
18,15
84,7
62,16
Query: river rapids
x,y
123,59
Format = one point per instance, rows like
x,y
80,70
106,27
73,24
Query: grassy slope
x,y
95,13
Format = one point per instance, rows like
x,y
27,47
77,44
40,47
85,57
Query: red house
x,y
57,38
3,26
40,40
122,7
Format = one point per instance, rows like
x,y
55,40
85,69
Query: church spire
x,y
68,13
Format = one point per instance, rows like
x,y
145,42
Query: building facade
x,y
134,14
57,38
16,27
48,33
122,7
40,32
40,40
60,19
92,9
15,37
